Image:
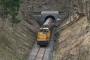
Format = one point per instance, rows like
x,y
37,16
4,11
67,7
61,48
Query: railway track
x,y
42,53
38,53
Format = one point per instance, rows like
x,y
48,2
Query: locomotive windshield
x,y
44,30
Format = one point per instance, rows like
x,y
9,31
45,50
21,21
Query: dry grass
x,y
16,41
74,42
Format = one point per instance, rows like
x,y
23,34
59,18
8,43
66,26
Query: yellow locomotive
x,y
43,36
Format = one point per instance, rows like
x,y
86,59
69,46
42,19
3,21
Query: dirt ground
x,y
17,40
74,41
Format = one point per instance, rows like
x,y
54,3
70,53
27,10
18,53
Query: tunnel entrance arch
x,y
49,16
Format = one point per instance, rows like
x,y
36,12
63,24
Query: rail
x,y
40,54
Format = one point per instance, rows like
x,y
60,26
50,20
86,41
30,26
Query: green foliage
x,y
10,7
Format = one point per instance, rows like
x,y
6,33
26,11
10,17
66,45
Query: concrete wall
x,y
41,18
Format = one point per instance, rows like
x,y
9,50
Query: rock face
x,y
74,41
46,5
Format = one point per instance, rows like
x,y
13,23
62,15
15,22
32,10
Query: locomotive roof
x,y
43,28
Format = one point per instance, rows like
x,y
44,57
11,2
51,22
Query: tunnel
x,y
49,16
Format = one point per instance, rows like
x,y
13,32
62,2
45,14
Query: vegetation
x,y
81,6
10,8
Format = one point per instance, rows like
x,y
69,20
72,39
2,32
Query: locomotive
x,y
44,33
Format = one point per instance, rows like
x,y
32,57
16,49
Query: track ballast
x,y
43,53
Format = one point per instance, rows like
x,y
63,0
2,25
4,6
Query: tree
x,y
80,5
72,3
11,8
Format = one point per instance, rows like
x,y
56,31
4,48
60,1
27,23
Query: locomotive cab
x,y
43,36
